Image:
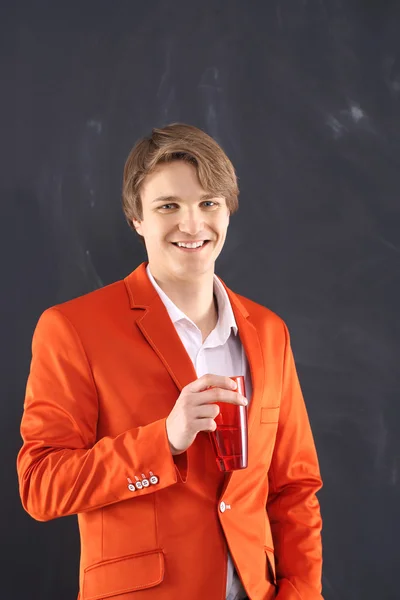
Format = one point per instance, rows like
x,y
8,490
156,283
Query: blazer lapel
x,y
252,347
157,327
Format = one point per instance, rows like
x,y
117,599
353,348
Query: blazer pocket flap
x,y
123,575
269,414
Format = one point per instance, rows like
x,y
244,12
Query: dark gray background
x,y
304,97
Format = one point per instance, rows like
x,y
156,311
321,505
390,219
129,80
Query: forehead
x,y
176,178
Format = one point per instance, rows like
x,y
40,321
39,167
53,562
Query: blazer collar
x,y
142,294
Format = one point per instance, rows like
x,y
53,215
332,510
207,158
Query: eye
x,y
166,206
210,202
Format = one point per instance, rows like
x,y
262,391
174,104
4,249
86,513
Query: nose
x,y
191,222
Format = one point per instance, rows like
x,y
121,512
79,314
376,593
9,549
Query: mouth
x,y
191,247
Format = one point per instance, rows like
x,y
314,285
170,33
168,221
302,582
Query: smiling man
x,y
122,394
184,231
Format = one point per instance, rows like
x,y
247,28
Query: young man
x,y
119,408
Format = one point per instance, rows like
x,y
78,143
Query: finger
x,y
207,411
211,380
206,425
219,395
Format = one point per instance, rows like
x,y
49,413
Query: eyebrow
x,y
166,199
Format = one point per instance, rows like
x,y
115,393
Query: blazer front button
x,y
222,507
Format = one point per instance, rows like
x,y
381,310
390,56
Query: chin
x,y
201,269
193,271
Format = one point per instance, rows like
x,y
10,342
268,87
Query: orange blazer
x,y
106,370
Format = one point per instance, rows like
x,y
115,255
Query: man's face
x,y
177,209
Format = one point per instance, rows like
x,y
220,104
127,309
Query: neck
x,y
195,298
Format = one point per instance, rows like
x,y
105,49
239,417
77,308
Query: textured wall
x,y
305,98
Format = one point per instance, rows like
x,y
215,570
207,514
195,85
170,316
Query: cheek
x,y
221,226
154,228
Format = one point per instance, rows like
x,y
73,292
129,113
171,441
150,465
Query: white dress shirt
x,y
221,353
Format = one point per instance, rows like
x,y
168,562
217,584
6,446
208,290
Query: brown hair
x,y
178,141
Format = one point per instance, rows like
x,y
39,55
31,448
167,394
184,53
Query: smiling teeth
x,y
195,245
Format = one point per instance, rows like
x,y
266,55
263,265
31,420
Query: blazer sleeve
x,y
62,467
292,505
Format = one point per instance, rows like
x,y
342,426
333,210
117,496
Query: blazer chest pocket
x,y
269,414
111,578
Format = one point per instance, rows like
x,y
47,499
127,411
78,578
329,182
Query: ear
x,y
138,226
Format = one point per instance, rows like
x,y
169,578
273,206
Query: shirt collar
x,y
226,318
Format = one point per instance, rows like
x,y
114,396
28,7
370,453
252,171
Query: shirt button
x,y
222,507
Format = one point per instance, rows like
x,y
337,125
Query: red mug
x,y
230,437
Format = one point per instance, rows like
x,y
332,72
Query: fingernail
x,y
245,401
